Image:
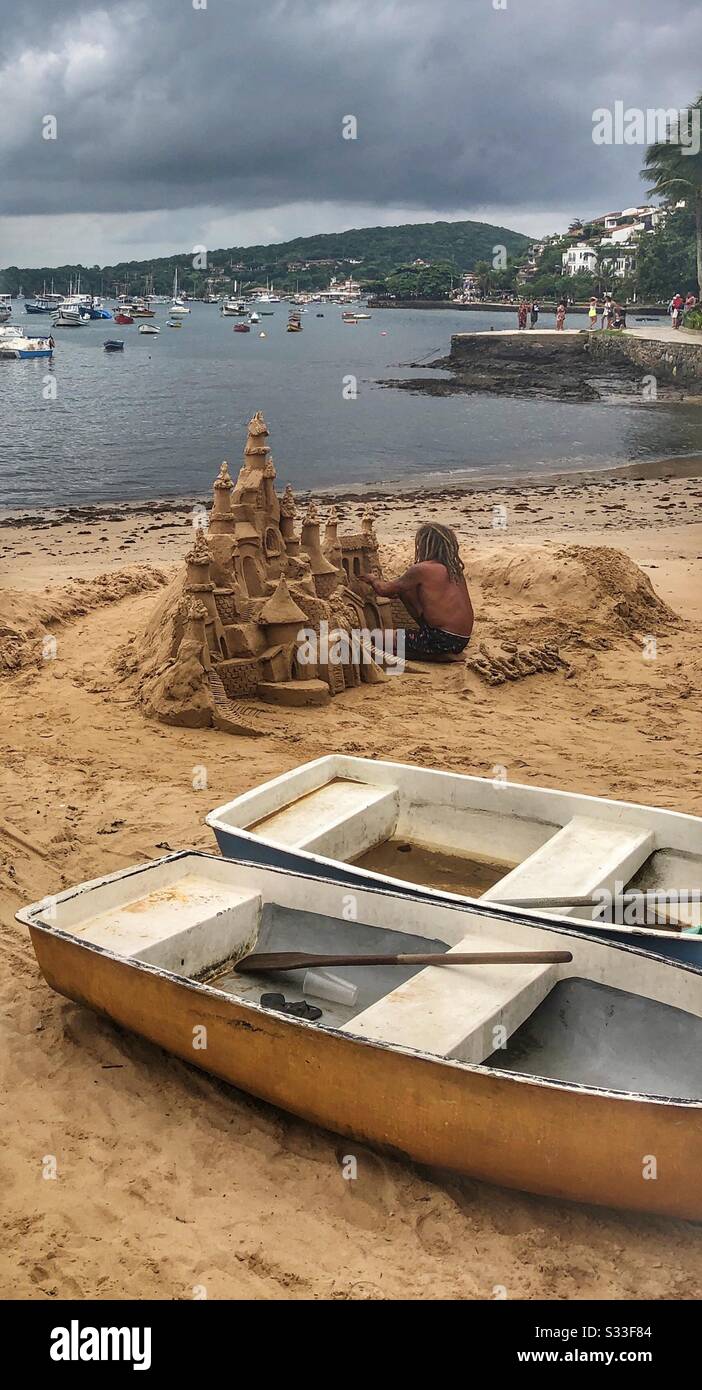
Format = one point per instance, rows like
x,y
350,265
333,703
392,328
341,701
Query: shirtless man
x,y
434,592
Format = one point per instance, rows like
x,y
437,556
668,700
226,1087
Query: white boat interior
x,y
613,1017
469,836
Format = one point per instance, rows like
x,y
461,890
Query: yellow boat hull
x,y
520,1132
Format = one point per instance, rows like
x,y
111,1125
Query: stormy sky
x,y
219,122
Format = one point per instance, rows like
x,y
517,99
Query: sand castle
x,y
264,609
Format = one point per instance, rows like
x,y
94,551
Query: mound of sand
x,y
28,621
567,593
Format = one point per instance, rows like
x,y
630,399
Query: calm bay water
x,y
157,420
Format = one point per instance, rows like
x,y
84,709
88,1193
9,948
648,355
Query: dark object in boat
x,y
281,1006
304,960
114,345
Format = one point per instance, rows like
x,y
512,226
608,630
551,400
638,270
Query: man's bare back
x,y
431,596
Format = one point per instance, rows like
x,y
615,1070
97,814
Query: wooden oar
x,y
586,900
301,960
660,916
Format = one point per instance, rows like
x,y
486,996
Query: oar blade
x,y
272,960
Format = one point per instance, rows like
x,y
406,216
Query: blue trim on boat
x,y
248,849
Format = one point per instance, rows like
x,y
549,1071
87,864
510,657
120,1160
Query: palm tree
x,y
604,267
674,174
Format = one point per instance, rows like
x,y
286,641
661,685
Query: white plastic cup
x,y
322,984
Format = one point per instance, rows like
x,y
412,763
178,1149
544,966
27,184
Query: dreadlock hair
x,y
434,542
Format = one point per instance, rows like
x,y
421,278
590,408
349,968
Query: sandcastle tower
x,y
248,509
249,491
368,524
195,634
324,574
221,531
331,547
221,519
199,585
273,542
287,522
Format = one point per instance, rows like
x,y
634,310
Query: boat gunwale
x,y
28,916
424,892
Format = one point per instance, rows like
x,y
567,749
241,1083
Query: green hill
x,y
367,253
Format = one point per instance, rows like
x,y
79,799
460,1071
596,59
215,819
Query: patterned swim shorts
x,y
426,643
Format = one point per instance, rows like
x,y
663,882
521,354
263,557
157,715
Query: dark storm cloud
x,y
239,105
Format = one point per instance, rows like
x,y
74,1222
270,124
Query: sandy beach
x,y
169,1181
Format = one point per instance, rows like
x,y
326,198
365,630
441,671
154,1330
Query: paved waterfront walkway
x,y
517,332
665,334
656,333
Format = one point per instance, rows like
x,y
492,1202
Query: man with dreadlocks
x,y
434,592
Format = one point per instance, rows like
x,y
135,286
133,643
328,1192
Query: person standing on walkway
x,y
592,312
561,315
675,309
534,315
522,314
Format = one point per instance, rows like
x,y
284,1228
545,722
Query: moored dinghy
x,y
560,1079
449,836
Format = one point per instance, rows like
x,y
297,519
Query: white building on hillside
x,y
578,259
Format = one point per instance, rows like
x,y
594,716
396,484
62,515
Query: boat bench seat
x,y
463,1012
340,819
586,855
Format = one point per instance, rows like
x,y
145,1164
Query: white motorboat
x,y
18,345
70,316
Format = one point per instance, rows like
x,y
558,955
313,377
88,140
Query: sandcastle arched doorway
x,y
273,542
252,577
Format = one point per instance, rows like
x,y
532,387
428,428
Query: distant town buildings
x,y
619,231
341,289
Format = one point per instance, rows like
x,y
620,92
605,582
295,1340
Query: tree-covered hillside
x,y
367,253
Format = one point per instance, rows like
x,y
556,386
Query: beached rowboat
x,y
448,836
580,1080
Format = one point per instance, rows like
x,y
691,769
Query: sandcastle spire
x,y
223,479
200,553
256,446
287,521
221,518
281,607
310,541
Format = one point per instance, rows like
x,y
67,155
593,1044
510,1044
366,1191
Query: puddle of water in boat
x,y
416,863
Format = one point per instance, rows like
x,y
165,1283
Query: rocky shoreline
x,y
543,366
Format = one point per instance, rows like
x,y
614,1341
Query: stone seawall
x,y
674,361
467,349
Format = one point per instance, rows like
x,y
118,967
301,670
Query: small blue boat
x,y
25,348
114,345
